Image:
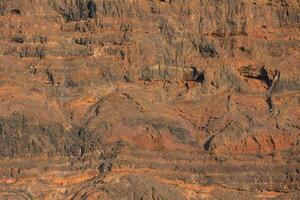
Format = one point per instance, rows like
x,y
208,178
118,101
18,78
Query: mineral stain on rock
x,y
152,100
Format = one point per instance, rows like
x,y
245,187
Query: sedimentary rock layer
x,y
149,99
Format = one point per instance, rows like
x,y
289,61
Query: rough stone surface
x,y
149,99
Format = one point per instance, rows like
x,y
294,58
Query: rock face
x,y
149,99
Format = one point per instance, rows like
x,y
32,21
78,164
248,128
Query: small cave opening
x,y
256,73
199,76
15,12
92,9
207,144
263,76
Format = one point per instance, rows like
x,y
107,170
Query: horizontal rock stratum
x,y
149,99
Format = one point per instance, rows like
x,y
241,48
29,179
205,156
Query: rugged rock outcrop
x,y
149,99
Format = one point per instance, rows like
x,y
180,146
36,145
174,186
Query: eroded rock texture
x,y
149,99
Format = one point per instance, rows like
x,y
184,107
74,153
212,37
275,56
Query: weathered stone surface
x,y
160,99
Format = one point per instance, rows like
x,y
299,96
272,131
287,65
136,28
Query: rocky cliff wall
x,y
149,99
